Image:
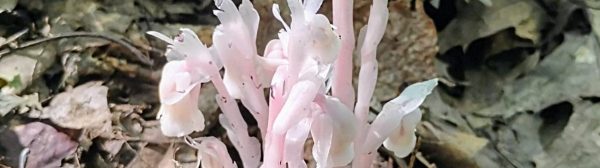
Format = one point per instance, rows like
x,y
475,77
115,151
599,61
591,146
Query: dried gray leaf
x,y
85,106
568,73
16,67
7,5
8,102
579,143
481,21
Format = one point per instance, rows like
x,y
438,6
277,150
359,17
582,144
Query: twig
x,y
137,155
23,158
424,161
411,163
138,54
14,37
77,162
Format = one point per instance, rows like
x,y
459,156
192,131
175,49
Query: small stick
x,y
23,158
138,54
424,161
14,37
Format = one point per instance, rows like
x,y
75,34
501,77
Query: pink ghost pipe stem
x,y
342,79
274,143
371,35
232,112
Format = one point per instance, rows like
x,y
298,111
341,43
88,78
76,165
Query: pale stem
x,y
232,112
342,78
378,17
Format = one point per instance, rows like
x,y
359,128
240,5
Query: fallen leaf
x,y
578,145
594,4
112,147
85,106
475,20
451,146
47,147
147,157
7,5
154,135
18,70
570,72
529,124
9,102
168,160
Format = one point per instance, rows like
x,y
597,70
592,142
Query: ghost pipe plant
x,y
308,71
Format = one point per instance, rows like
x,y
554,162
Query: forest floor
x,y
78,80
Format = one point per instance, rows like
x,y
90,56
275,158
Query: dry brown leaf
x,y
168,160
85,106
154,135
147,157
112,147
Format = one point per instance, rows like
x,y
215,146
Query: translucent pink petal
x,y
324,43
250,17
402,141
344,132
213,153
312,6
388,122
322,134
182,117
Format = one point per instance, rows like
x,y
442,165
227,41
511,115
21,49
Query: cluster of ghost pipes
x,y
308,72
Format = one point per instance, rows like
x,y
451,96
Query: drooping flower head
x,y
179,87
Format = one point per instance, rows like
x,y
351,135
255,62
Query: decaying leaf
x,y
568,73
22,67
8,102
85,106
147,157
154,135
46,146
18,70
475,20
578,145
527,123
594,4
112,147
168,160
7,5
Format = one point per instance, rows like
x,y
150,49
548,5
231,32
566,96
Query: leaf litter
x,y
519,86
